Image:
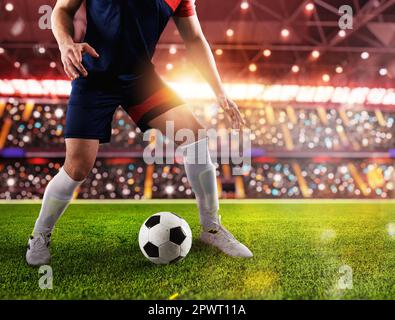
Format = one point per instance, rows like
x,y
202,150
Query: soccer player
x,y
112,68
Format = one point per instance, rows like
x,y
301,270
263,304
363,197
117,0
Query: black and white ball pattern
x,y
165,238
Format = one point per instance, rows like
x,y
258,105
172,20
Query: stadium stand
x,y
272,178
292,135
300,128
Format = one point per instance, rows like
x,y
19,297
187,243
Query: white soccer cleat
x,y
37,253
226,242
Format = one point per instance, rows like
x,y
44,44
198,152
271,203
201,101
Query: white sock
x,y
56,198
202,177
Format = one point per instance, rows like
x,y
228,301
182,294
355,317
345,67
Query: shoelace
x,y
41,242
227,234
229,237
225,231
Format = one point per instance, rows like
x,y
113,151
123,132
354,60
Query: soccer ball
x,y
165,238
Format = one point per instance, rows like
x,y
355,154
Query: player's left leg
x,y
202,177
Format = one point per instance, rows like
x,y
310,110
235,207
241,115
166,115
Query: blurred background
x,y
319,102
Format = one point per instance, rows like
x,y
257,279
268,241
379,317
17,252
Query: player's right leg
x,y
201,174
80,158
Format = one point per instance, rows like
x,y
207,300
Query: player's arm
x,y
199,53
63,30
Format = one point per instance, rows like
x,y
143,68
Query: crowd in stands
x,y
271,180
109,179
127,179
274,128
40,127
170,181
339,179
114,179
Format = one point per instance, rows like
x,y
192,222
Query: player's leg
x,y
202,177
80,158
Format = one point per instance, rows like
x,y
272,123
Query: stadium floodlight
x,y
267,53
285,33
315,54
383,71
230,33
309,7
9,7
295,68
365,55
253,67
173,50
219,52
191,90
326,77
244,5
339,69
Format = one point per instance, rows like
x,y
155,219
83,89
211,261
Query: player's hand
x,y
232,111
71,55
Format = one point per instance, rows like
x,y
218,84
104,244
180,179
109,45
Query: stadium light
x,y
365,55
295,68
285,33
41,50
339,69
267,53
315,54
52,64
173,50
59,113
309,7
2,50
219,52
17,64
9,7
341,33
169,189
191,90
230,33
10,182
244,5
326,77
169,66
383,72
252,67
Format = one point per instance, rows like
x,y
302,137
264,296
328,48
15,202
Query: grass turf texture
x,y
298,250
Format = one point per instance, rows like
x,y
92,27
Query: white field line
x,y
226,201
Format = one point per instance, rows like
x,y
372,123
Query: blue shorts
x,y
93,101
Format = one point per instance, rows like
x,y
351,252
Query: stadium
x,y
317,198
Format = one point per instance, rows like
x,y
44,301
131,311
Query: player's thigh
x,y
181,118
80,157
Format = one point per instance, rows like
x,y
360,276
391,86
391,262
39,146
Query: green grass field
x,y
298,248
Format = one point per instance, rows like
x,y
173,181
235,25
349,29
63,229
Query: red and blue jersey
x,y
126,32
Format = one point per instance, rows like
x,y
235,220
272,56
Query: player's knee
x,y
77,171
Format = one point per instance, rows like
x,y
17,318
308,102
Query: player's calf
x,y
202,177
